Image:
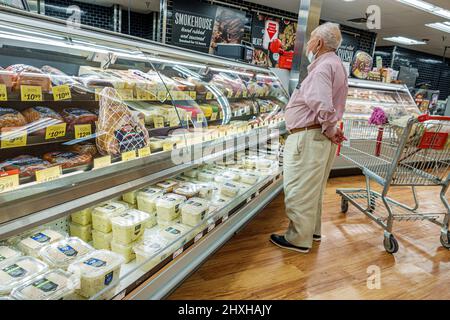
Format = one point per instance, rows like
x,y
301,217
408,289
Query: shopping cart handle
x,y
426,117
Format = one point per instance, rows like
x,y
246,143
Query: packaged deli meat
x,y
75,116
30,76
118,131
7,78
67,159
83,148
59,78
40,118
11,118
26,165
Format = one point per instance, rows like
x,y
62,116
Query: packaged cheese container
x,y
227,176
176,231
7,252
64,252
186,190
152,221
206,175
193,211
125,250
220,201
205,190
150,252
249,162
146,199
16,271
80,231
101,240
229,189
168,206
33,242
249,178
129,226
191,173
52,285
165,223
167,185
97,270
130,197
82,217
101,216
263,164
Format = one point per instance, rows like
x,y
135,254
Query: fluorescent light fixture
x,y
232,71
440,26
404,40
427,7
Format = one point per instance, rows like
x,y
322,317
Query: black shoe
x,y
281,242
317,237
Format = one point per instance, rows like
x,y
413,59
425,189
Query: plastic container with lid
x,y
83,217
249,178
206,175
227,176
80,231
15,272
191,173
146,199
193,211
229,189
97,270
51,285
129,226
64,252
167,185
34,241
7,252
262,163
249,162
101,216
186,190
130,197
125,250
150,252
101,240
168,206
205,190
152,221
176,231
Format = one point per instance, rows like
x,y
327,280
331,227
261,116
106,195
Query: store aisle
x,y
249,267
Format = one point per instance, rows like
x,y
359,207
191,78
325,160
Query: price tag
x,y
126,94
244,94
225,217
211,226
129,155
97,94
82,130
174,122
61,93
162,95
3,93
141,94
102,162
177,253
214,116
152,95
9,182
209,95
158,122
31,93
55,131
48,174
13,137
238,94
200,117
193,95
198,237
144,152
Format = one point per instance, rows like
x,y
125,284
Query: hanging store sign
x,y
348,48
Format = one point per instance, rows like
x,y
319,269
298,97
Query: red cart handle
x,y
426,117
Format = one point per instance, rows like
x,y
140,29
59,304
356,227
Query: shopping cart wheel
x,y
390,244
445,240
344,205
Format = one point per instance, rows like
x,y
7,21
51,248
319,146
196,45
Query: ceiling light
x,y
427,7
403,40
440,26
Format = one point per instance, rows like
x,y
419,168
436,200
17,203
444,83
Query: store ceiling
x,y
397,19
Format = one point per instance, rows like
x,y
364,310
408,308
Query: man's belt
x,y
314,126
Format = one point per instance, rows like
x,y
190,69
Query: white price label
x,y
198,237
211,227
225,218
177,253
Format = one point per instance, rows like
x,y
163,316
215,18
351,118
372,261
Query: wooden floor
x,y
250,267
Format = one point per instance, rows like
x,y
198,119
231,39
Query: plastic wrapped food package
x,y
26,164
33,242
83,217
249,162
168,206
206,176
68,159
187,190
176,231
205,190
101,216
10,118
52,285
129,226
101,240
193,211
97,270
226,177
220,201
62,253
165,223
167,185
130,197
42,117
146,199
151,251
191,173
14,272
125,250
263,164
7,252
152,221
249,178
81,231
229,189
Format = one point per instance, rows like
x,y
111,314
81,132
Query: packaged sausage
x,y
83,148
62,253
129,226
11,118
31,243
27,165
74,116
40,118
68,159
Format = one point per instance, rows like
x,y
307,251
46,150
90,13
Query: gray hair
x,y
330,33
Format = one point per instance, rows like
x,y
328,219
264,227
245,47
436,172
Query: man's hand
x,y
338,137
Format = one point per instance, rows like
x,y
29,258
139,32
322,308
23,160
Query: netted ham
x,y
75,116
67,159
40,118
118,130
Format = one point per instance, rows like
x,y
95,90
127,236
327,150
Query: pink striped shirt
x,y
322,96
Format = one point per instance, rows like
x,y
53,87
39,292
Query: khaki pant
x,y
307,160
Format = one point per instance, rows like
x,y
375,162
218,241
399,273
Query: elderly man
x,y
311,118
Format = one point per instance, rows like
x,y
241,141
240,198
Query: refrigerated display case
x,y
91,122
364,96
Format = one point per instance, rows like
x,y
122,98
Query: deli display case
x,y
124,163
363,96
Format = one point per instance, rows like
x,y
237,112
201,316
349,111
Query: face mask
x,y
311,56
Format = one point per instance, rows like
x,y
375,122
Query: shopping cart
x,y
414,154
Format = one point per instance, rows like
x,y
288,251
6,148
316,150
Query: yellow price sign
x,y
9,182
214,116
48,174
102,162
82,130
158,122
31,93
200,117
144,152
97,94
209,95
126,94
152,95
13,137
3,93
238,94
61,93
193,95
162,95
55,131
129,155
